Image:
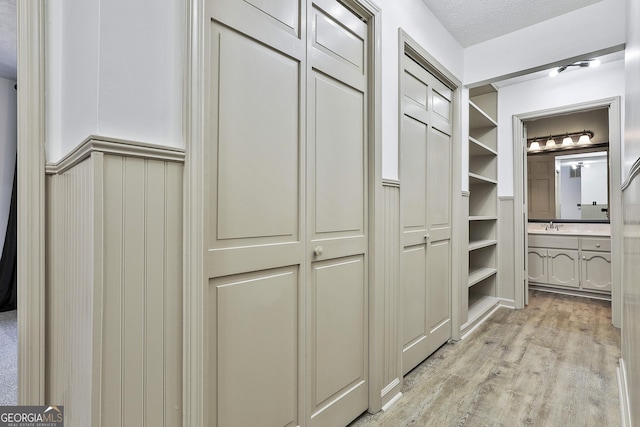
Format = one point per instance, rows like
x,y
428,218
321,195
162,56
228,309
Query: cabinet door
x,y
596,270
537,271
563,267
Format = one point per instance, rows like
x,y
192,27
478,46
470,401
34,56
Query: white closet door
x,y
337,308
426,213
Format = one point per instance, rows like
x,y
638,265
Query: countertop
x,y
573,229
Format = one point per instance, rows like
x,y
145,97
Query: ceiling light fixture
x,y
582,64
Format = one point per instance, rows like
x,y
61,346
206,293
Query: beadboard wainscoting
x,y
506,261
114,284
392,377
629,375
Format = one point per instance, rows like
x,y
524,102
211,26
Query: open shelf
x,y
478,274
479,179
479,244
483,206
478,118
477,148
483,199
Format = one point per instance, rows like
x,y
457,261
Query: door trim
x,y
194,365
615,194
31,196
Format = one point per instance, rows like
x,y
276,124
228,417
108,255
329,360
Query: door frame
x,y
31,201
615,195
194,341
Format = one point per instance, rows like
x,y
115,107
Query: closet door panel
x,y
254,213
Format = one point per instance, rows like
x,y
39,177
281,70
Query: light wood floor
x,y
550,364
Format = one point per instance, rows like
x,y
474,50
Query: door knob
x,y
318,250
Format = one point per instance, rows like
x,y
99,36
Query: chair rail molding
x,y
31,202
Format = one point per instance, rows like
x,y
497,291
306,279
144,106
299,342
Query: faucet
x,y
551,226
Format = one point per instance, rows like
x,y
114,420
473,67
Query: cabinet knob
x,y
597,245
584,258
426,236
318,250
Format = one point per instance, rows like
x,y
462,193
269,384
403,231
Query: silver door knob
x,y
318,250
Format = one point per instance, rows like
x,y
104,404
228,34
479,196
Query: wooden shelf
x,y
477,275
477,148
478,179
483,218
478,118
481,244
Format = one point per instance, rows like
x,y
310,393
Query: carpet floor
x,y
8,358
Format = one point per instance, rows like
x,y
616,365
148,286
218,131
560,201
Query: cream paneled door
x,y
336,308
286,216
426,213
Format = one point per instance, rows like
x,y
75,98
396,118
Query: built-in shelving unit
x,y
483,203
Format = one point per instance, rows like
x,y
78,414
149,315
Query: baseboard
x,y
625,410
391,402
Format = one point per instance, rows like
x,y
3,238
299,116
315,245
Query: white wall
x,y
583,31
568,88
420,24
7,151
114,69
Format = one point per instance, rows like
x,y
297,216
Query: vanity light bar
x,y
569,139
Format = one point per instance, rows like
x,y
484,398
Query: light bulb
x,y
584,139
551,143
535,146
567,141
553,72
594,63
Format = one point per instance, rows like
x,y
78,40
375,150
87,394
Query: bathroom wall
x,y
7,150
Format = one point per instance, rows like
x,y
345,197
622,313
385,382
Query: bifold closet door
x,y
286,202
254,217
425,176
337,309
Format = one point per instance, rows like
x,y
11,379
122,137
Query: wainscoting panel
x,y
70,310
114,274
506,243
392,376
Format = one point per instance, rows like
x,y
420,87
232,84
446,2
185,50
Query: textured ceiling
x,y
475,21
8,35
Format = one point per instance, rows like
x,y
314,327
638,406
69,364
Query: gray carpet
x,y
8,358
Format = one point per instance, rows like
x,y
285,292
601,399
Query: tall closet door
x,y
254,215
287,210
426,213
337,309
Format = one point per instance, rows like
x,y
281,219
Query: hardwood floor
x,y
550,364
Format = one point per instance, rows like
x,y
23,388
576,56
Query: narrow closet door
x,y
426,213
337,298
254,213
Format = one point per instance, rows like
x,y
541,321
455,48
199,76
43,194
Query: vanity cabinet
x,y
582,263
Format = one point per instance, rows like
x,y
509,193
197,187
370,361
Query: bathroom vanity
x,y
570,257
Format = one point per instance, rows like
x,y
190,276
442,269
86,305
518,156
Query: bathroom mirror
x,y
569,186
568,182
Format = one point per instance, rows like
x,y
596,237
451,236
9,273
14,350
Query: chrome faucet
x,y
551,226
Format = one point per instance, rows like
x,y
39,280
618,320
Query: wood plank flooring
x,y
550,364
